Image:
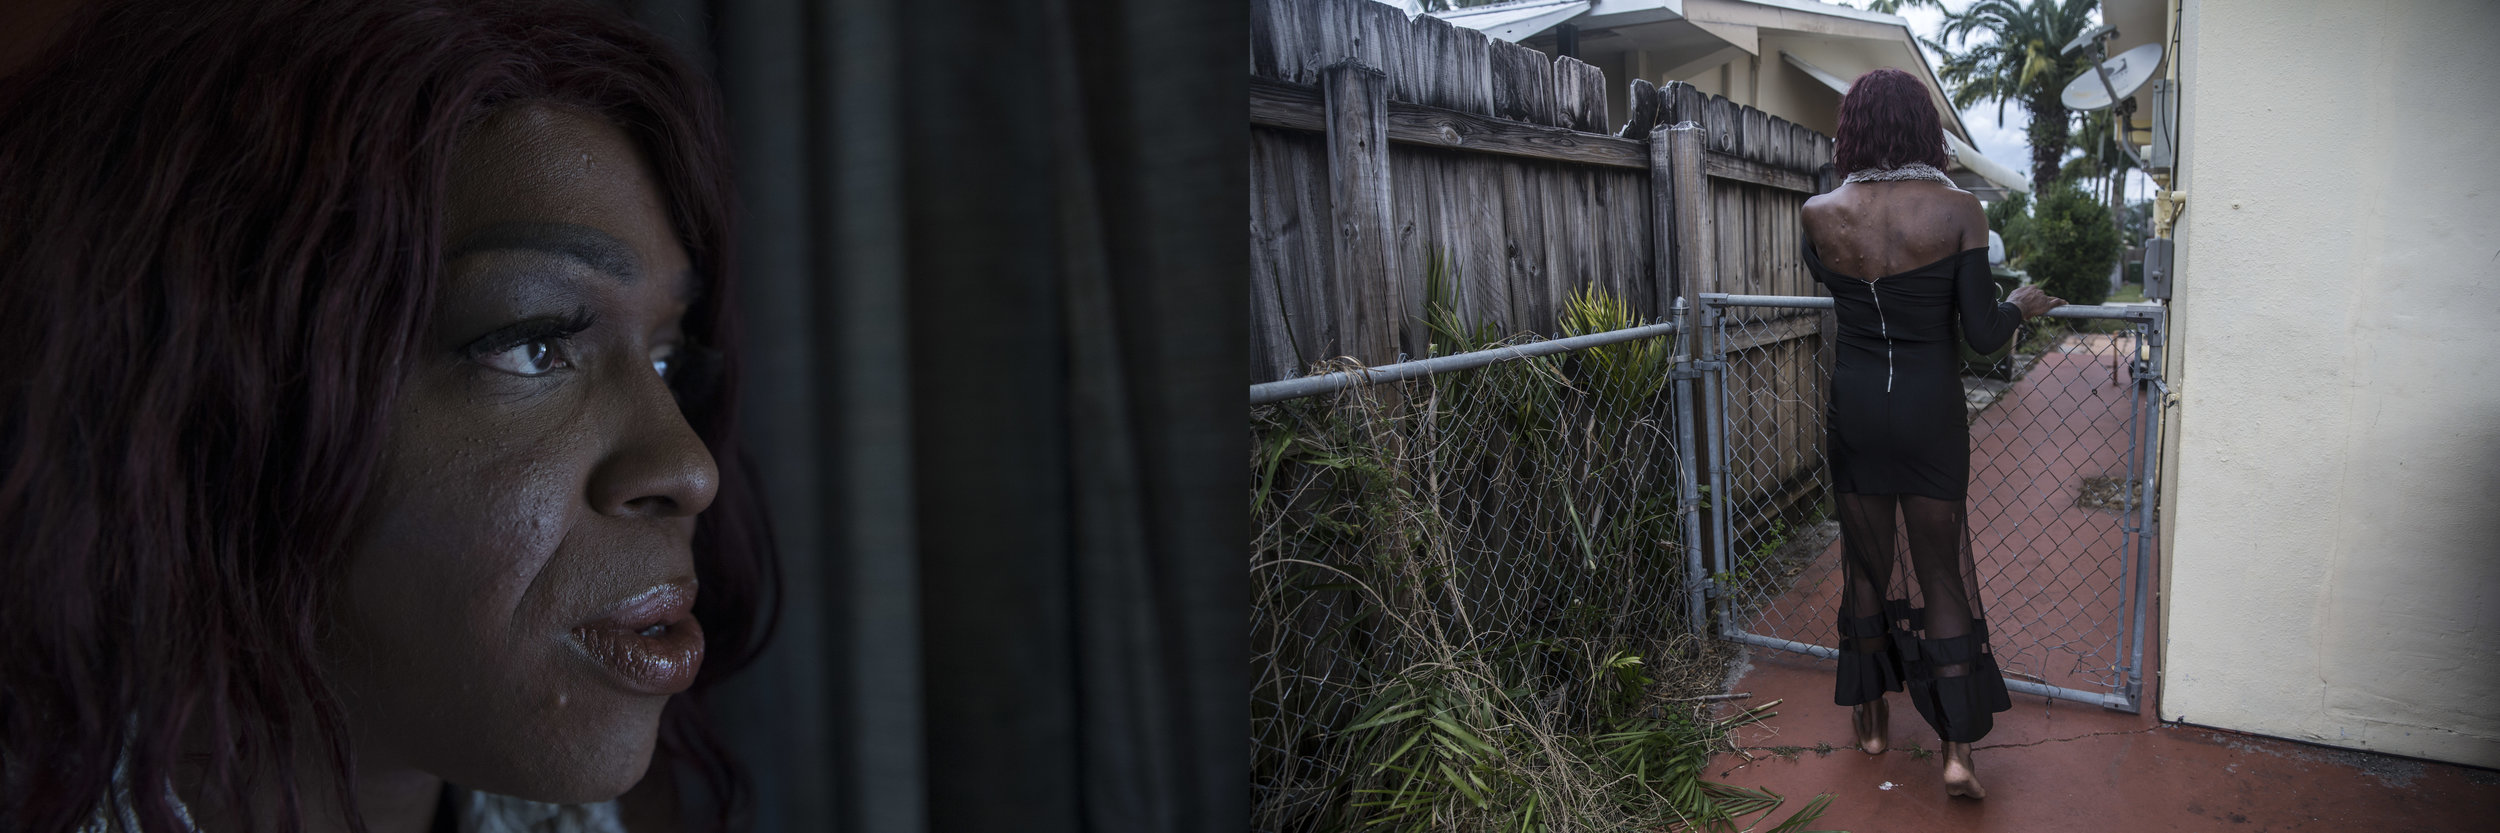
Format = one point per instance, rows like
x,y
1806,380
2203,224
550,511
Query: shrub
x,y
2072,244
2011,219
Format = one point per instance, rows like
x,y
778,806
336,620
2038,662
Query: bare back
x,y
1871,230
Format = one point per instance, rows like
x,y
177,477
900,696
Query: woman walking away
x,y
1899,444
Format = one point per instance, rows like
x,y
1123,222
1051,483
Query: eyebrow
x,y
592,247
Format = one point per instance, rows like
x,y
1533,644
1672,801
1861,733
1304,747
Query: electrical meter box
x,y
2157,269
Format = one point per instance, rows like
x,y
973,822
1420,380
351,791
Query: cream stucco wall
x,y
2334,524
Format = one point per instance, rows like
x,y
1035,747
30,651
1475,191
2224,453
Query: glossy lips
x,y
651,642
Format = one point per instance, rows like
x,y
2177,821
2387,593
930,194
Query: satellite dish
x,y
2128,72
2087,38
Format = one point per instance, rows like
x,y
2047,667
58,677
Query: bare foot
x,y
1960,777
1870,719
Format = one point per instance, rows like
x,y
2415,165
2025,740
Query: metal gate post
x,y
1714,396
1697,582
2150,390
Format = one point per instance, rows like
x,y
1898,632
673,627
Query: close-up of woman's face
x,y
517,606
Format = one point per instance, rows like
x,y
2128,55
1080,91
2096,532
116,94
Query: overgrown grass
x,y
1469,601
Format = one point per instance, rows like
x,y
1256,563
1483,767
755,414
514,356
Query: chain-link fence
x,y
1511,512
2062,432
1524,519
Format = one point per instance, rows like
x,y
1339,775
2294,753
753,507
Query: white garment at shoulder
x,y
478,812
1899,173
491,813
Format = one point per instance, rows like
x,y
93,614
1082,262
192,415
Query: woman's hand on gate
x,y
2034,303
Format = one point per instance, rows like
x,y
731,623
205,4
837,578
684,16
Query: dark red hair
x,y
1887,120
220,238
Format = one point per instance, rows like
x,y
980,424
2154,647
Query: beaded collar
x,y
1912,171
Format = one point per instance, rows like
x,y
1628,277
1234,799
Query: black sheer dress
x,y
1899,445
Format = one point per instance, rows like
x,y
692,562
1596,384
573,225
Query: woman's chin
x,y
580,764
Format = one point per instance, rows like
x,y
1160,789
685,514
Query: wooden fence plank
x,y
1358,169
1695,218
1579,95
1567,92
1624,199
1432,39
1523,247
1525,77
1725,166
1423,215
1486,135
1264,17
1662,204
1683,103
1471,72
1288,106
1593,98
1719,116
1290,251
1338,38
1382,31
1483,250
1643,103
1754,144
1310,43
1776,138
1761,333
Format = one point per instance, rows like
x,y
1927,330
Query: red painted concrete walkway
x,y
2065,767
2052,575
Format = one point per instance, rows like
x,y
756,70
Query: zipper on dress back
x,y
1883,329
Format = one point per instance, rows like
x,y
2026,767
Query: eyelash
x,y
557,331
692,372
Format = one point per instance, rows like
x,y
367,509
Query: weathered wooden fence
x,y
1379,143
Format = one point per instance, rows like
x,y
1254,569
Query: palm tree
x,y
2018,62
2100,143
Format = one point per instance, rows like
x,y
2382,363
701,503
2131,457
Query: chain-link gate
x,y
2063,444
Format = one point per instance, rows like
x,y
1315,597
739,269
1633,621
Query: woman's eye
x,y
662,358
535,357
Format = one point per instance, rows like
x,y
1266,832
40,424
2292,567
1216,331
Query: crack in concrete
x,y
1786,750
2044,741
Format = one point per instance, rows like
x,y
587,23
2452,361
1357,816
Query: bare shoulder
x,y
1819,208
1968,215
1818,204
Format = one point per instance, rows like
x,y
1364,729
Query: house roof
x,y
1521,18
1708,32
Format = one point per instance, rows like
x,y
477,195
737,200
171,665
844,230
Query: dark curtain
x,y
994,274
